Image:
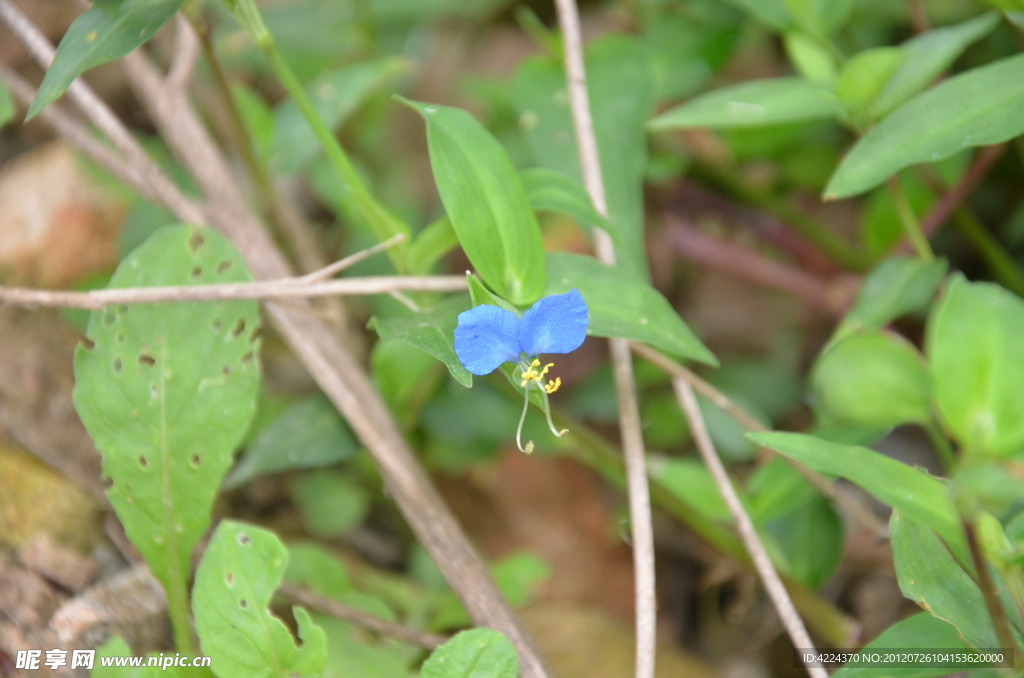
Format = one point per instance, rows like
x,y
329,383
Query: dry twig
x,y
748,533
363,620
622,365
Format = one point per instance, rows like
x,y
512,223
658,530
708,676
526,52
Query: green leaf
x,y
331,504
485,202
6,105
622,305
875,379
691,482
922,631
776,490
810,58
897,286
167,392
98,36
480,653
556,192
775,13
976,108
909,490
863,76
622,88
928,55
312,566
932,578
430,245
238,575
433,331
977,358
336,94
809,542
759,103
309,434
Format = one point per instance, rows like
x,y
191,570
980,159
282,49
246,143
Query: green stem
x,y
359,204
178,608
995,609
1004,269
842,252
911,224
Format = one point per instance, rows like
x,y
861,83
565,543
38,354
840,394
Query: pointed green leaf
x,y
622,87
167,392
6,105
758,103
480,653
976,354
976,108
875,379
928,55
893,483
863,76
309,434
430,245
240,571
433,331
98,36
485,202
622,305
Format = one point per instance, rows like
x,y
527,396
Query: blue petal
x,y
555,324
486,337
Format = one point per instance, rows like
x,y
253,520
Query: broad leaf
x,y
758,103
485,202
240,571
975,348
927,56
331,504
309,434
875,379
621,83
691,482
976,108
622,305
922,631
480,653
430,245
98,36
336,94
809,542
433,331
909,490
863,76
167,391
896,287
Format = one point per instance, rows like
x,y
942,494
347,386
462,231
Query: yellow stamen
x,y
552,386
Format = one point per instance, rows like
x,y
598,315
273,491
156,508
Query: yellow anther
x,y
552,386
533,375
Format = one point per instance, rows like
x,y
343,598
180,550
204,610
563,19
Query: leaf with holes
x,y
241,569
479,653
167,391
100,35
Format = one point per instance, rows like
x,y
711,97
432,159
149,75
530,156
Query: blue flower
x,y
488,336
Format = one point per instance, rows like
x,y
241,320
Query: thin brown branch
x,y
351,260
748,533
946,205
856,509
702,248
289,288
186,55
622,365
363,620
